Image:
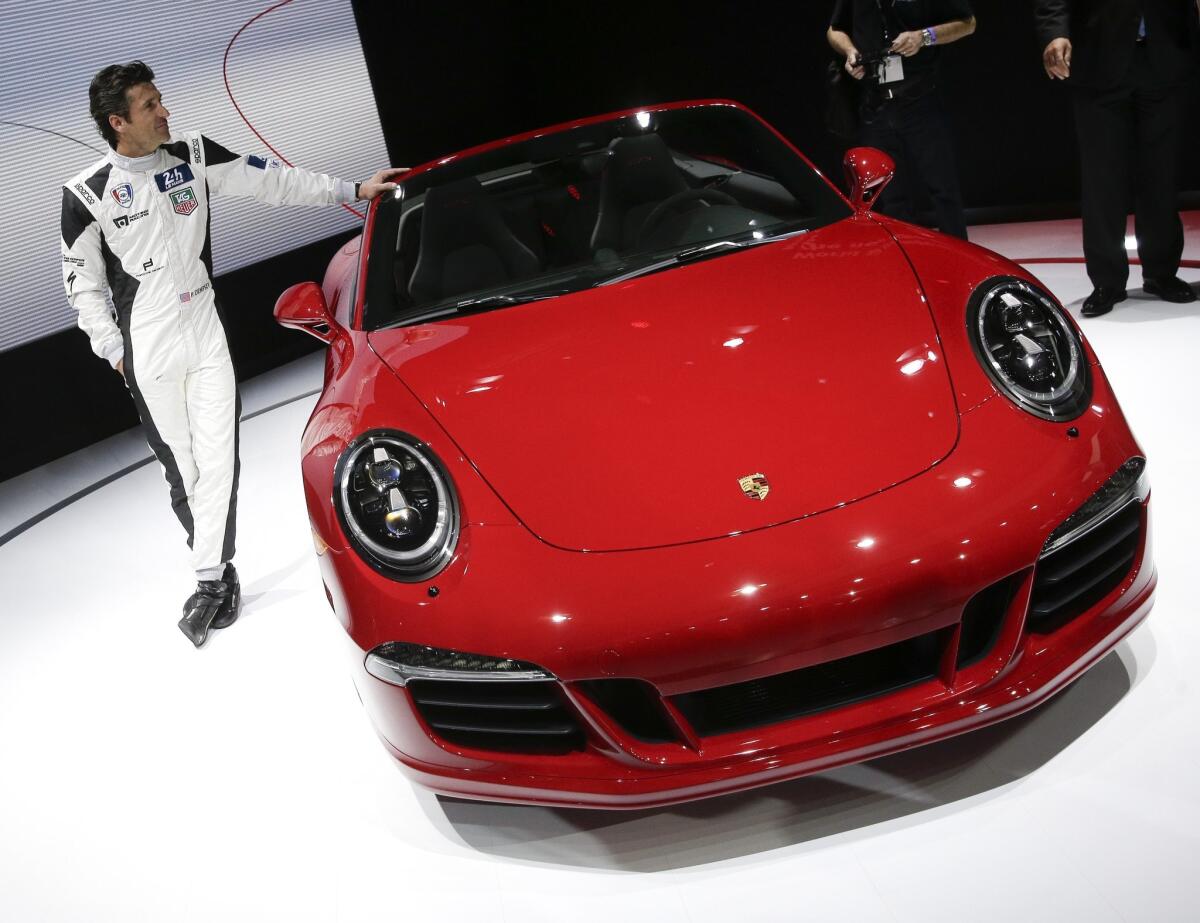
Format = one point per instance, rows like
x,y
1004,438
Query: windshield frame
x,y
631,265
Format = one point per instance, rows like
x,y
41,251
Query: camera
x,y
882,67
873,62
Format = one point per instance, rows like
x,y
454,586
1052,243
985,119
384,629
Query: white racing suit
x,y
138,228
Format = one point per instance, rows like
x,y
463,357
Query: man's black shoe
x,y
201,608
233,601
1101,301
1173,289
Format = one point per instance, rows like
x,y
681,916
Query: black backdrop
x,y
447,76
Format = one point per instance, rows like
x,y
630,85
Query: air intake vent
x,y
515,717
1073,578
816,688
982,619
635,706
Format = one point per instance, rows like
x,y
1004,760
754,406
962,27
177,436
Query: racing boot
x,y
232,605
201,608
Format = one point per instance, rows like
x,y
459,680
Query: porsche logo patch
x,y
184,201
755,486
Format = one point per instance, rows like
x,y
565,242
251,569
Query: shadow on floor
x,y
841,801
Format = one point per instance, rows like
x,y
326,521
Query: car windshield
x,y
590,205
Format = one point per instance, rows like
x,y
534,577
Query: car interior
x,y
581,214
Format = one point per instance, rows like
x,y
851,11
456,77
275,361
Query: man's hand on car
x,y
379,183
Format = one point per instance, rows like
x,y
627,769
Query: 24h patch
x,y
184,201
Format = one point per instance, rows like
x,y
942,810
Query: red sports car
x,y
649,467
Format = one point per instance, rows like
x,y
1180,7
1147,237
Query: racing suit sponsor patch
x,y
176,176
84,194
148,268
123,195
122,221
196,149
184,201
261,163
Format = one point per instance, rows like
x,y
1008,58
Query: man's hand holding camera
x,y
854,65
909,43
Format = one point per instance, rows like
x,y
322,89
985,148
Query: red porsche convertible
x,y
649,467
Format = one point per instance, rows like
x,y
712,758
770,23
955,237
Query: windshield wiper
x,y
482,303
704,250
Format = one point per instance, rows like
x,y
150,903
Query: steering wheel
x,y
679,200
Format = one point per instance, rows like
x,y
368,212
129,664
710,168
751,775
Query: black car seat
x,y
640,173
465,244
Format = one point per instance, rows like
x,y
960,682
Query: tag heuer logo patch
x,y
184,201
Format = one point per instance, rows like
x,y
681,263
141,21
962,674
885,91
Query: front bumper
x,y
898,566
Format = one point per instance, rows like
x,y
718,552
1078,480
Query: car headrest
x,y
640,170
465,244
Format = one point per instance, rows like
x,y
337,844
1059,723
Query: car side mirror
x,y
868,170
303,307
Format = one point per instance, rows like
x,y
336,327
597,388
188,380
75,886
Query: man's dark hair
x,y
107,94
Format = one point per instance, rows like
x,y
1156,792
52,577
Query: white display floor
x,y
141,779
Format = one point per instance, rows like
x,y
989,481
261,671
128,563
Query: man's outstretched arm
x,y
267,180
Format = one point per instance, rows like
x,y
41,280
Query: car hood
x,y
627,416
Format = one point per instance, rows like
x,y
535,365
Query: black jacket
x,y
1103,34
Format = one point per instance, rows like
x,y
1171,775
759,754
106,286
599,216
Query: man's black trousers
x,y
1129,152
915,132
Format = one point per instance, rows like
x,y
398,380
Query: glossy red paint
x,y
868,171
883,521
303,307
734,366
948,271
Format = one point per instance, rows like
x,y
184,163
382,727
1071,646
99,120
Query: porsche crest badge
x,y
755,486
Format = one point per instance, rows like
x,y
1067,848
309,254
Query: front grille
x,y
1073,578
513,716
801,692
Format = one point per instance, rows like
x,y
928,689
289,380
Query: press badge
x,y
891,69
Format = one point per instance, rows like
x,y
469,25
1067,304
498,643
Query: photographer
x,y
893,47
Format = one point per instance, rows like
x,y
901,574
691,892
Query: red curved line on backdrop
x,y
229,90
1133,260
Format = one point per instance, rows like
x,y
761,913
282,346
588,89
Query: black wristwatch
x,y
356,188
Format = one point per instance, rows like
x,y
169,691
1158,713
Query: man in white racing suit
x,y
135,226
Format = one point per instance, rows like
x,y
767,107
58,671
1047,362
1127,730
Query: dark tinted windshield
x,y
576,208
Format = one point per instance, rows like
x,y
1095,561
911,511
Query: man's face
x,y
146,128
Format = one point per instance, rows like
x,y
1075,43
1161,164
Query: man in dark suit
x,y
1128,63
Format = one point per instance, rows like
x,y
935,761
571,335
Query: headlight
x,y
1029,348
396,504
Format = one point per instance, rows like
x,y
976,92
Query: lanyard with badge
x,y
889,68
